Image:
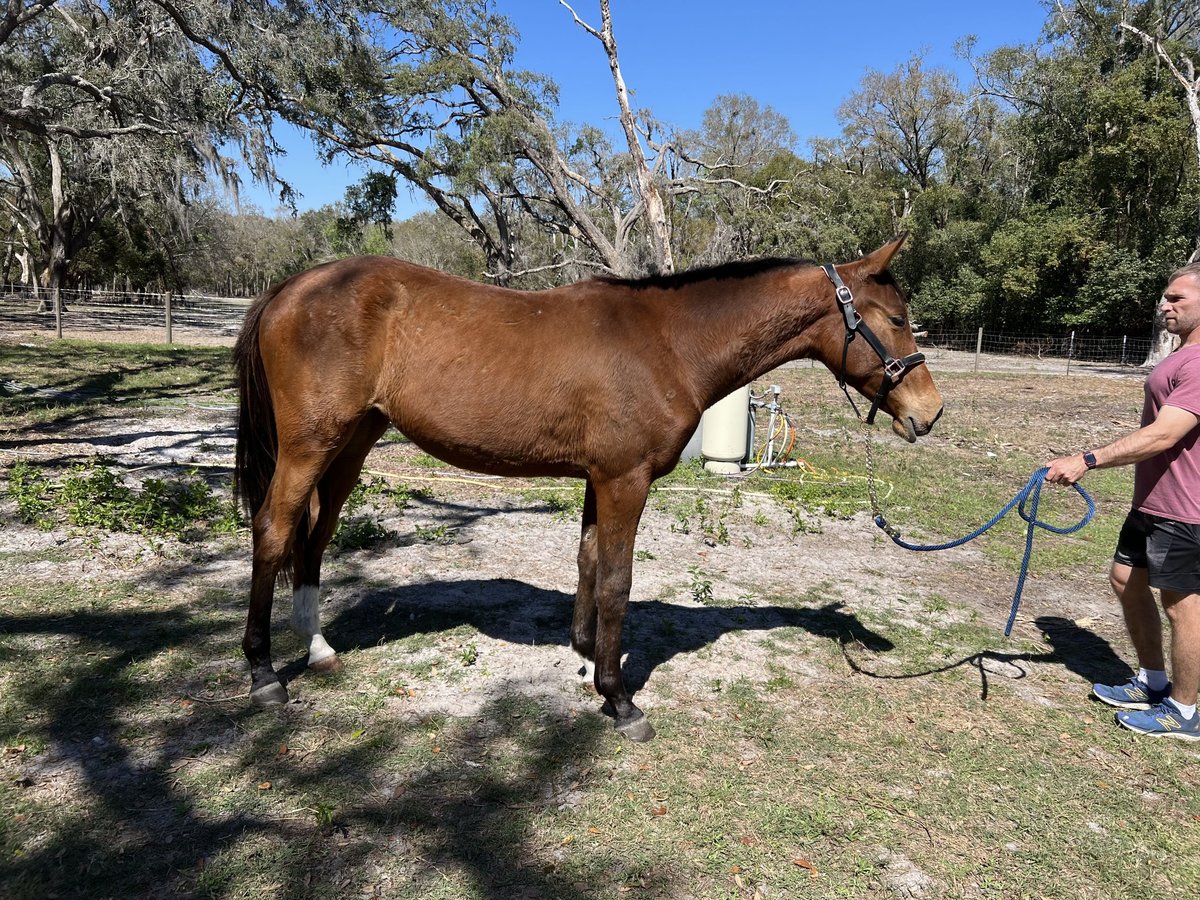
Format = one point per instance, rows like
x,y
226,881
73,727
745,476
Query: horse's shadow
x,y
521,613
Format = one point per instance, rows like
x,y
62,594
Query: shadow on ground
x,y
1074,648
116,746
520,613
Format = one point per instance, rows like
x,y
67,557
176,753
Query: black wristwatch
x,y
1089,459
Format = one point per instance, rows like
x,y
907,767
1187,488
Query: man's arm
x,y
1168,429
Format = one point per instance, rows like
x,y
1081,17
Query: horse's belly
x,y
485,439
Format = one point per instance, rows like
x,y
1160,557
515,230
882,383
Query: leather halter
x,y
894,369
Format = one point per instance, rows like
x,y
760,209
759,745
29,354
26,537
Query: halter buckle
x,y
895,368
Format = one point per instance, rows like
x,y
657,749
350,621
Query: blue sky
x,y
800,57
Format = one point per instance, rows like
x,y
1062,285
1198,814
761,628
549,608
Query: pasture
x,y
836,717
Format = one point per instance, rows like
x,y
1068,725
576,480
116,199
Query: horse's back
x,y
475,373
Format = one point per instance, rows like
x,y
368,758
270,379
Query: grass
x,y
780,778
45,382
812,743
96,496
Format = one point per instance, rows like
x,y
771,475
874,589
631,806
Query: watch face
x,y
1089,460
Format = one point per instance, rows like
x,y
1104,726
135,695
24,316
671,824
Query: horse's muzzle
x,y
910,429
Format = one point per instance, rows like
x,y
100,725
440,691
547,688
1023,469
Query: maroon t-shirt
x,y
1168,484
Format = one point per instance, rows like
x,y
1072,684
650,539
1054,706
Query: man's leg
x,y
1142,619
1183,612
1175,717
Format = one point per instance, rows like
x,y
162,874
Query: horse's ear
x,y
876,262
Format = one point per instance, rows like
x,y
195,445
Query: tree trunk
x,y
658,224
1162,342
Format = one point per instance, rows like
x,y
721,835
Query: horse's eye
x,y
898,321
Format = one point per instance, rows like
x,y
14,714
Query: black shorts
x,y
1167,549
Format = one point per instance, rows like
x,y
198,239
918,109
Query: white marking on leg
x,y
306,622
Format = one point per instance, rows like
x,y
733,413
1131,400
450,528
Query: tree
x,y
906,119
108,105
926,156
436,101
1099,136
737,168
1173,34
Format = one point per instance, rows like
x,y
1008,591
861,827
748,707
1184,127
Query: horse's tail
x,y
257,440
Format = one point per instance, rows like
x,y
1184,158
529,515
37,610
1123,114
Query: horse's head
x,y
877,354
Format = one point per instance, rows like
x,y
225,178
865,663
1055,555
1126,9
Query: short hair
x,y
1192,268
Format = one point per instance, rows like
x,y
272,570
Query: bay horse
x,y
604,380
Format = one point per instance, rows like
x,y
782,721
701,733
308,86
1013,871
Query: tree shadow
x,y
79,382
137,830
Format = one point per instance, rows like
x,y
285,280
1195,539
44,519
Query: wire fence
x,y
131,316
203,319
1052,349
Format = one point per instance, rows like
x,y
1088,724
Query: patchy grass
x,y
891,763
97,496
45,382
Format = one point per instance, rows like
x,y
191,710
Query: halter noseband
x,y
894,369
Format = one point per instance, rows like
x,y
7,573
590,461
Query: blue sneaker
x,y
1133,694
1163,720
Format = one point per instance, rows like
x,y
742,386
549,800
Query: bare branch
x,y
547,268
582,24
17,15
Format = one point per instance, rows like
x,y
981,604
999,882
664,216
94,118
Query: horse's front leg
x,y
583,623
619,508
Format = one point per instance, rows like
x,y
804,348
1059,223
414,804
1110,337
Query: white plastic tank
x,y
724,433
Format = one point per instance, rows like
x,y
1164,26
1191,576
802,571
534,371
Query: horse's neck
x,y
738,330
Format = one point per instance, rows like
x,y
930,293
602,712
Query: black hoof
x,y
638,730
608,709
271,694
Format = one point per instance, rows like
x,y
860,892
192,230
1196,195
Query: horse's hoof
x,y
608,709
326,666
638,730
269,695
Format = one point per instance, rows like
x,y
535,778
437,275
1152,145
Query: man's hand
x,y
1066,469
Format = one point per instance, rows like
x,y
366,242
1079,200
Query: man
x,y
1159,545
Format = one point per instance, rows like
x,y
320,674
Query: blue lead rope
x,y
1030,494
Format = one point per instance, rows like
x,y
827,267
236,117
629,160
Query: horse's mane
x,y
731,270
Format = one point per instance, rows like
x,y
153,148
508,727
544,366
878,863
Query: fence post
x,y
167,304
1070,352
1124,342
978,346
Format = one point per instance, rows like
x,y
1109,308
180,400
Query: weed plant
x,y
94,495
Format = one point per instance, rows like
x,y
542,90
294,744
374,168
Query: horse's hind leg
x,y
274,529
309,547
583,623
619,505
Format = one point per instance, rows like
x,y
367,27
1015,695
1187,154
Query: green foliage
x,y
359,531
96,496
1055,192
701,586
33,494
